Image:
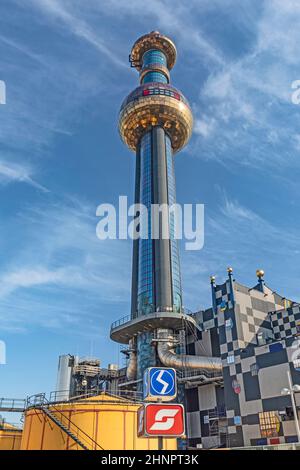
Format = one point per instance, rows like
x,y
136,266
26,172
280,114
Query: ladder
x,y
63,427
40,402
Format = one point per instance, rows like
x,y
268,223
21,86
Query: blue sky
x,y
66,71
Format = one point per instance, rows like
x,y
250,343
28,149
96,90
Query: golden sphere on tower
x,y
229,269
260,273
212,279
155,104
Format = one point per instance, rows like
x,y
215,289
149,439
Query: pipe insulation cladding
x,y
166,354
131,370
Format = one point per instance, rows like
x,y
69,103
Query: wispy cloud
x,y
12,173
234,210
23,50
178,21
204,126
279,30
248,99
64,11
32,277
46,87
60,260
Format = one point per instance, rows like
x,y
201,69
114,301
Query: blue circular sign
x,y
162,382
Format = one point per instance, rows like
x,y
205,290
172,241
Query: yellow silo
x,y
10,437
102,422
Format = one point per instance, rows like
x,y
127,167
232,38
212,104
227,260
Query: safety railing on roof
x,y
40,401
64,395
9,426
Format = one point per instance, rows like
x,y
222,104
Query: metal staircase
x,y
84,440
63,427
218,426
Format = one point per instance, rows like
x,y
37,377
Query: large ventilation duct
x,y
166,354
132,363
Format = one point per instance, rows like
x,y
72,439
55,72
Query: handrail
x,y
54,395
45,403
12,403
127,318
121,321
59,395
9,426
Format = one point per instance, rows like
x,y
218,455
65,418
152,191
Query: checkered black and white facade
x,y
286,323
255,333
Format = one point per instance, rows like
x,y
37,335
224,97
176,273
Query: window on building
x,y
254,369
269,424
286,414
289,412
261,339
230,359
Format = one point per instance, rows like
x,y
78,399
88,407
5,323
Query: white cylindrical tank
x,y
64,374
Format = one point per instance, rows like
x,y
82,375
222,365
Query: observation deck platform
x,y
124,329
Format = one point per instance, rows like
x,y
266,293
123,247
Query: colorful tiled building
x,y
255,332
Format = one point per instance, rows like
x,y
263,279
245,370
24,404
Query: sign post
x,y
157,417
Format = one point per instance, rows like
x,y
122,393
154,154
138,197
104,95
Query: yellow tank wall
x,y
10,439
112,425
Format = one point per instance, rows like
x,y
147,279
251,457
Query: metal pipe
x,y
294,405
166,354
201,380
131,370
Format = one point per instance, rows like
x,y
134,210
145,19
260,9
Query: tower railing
x,y
128,318
121,321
